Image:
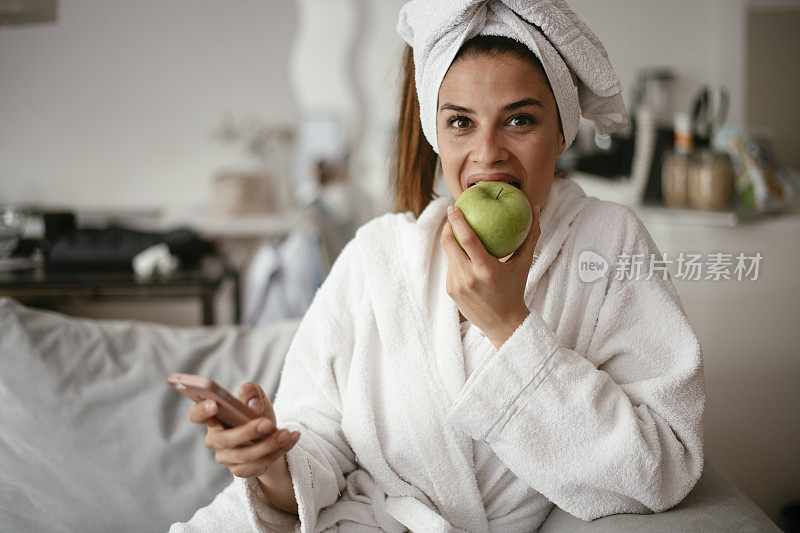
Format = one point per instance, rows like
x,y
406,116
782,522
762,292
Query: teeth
x,y
512,183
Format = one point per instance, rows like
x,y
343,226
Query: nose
x,y
488,148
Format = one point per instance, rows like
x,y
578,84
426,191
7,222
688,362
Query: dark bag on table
x,y
113,248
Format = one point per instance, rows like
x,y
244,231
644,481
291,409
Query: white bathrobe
x,y
594,404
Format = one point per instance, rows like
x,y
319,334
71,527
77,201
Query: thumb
x,y
254,397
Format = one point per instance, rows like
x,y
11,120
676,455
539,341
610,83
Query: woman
x,y
586,395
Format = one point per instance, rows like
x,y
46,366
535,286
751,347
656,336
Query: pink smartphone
x,y
231,412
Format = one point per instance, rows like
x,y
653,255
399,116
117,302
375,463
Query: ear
x,y
562,144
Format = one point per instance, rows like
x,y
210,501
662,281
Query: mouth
x,y
504,178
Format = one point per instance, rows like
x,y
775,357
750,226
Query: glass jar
x,y
674,178
709,180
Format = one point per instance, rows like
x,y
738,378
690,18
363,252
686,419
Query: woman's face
x,y
497,120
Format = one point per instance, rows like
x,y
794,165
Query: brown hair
x,y
413,160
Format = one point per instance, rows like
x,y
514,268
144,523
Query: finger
x,y
250,470
457,258
204,413
466,238
252,396
281,440
258,467
240,435
448,241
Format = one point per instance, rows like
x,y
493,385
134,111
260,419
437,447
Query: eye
x,y
458,119
524,120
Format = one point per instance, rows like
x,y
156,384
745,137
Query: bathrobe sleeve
x,y
310,391
617,431
308,400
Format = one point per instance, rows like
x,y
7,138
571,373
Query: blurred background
x,y
264,129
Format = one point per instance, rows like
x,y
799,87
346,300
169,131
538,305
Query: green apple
x,y
498,213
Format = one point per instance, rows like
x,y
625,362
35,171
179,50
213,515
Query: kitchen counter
x,y
660,214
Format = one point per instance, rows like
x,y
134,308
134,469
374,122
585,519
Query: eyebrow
x,y
509,107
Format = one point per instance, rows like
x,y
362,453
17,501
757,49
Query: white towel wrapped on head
x,y
576,63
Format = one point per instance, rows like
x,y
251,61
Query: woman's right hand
x,y
251,449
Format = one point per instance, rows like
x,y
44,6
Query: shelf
x,y
660,214
244,226
267,225
624,191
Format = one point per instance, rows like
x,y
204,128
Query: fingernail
x,y
450,209
295,436
254,404
263,427
283,437
209,407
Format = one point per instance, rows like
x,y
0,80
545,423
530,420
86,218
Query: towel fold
x,y
574,59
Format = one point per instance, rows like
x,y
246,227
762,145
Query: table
x,y
203,282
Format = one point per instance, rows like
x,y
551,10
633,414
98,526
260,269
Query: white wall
x,y
115,104
773,43
699,40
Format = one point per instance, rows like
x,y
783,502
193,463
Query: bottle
x,y
710,180
675,167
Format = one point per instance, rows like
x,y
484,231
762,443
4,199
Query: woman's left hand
x,y
489,293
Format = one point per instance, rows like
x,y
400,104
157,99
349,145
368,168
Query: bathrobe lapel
x,y
434,356
566,200
428,276
431,361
